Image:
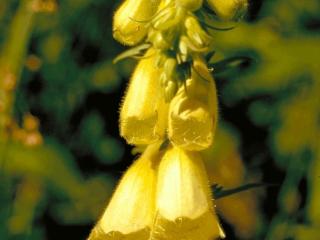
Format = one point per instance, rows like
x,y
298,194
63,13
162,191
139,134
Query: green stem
x,y
12,59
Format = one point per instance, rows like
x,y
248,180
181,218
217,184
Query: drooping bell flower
x,y
193,111
131,20
143,115
184,205
130,212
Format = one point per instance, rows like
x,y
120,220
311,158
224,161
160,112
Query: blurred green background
x,y
60,150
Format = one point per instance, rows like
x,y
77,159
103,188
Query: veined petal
x,y
130,213
184,207
229,9
129,23
193,111
143,116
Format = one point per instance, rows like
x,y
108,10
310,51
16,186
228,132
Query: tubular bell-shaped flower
x,y
184,207
229,9
143,113
129,23
130,213
193,111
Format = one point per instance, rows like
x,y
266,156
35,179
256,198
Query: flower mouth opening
x,y
203,227
98,234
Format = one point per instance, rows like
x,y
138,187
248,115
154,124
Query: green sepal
x,y
135,52
220,192
229,63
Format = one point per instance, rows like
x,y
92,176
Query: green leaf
x,y
134,52
226,64
220,192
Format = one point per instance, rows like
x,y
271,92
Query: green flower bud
x,y
130,20
229,9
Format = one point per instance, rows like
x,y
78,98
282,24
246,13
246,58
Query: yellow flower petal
x,y
130,20
193,111
184,207
130,213
143,116
229,9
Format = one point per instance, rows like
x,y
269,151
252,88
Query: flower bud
x,y
191,5
131,210
196,34
193,111
165,19
229,9
130,20
143,115
184,48
184,206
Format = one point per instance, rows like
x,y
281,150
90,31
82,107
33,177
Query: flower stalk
x,y
171,108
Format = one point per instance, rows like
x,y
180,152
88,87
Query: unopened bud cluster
x,y
170,107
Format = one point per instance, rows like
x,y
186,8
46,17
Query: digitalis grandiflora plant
x,y
171,108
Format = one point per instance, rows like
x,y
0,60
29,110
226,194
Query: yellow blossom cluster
x,y
171,108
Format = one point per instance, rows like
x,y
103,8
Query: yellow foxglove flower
x,y
130,213
193,111
229,9
130,20
184,205
143,114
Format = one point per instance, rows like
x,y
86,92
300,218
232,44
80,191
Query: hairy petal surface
x,y
184,205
